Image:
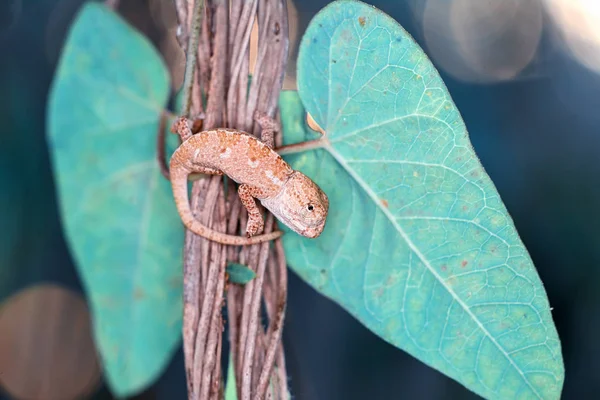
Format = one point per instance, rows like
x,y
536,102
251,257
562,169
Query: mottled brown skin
x,y
291,196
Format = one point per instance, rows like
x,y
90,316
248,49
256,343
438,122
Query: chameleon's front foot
x,y
182,127
255,225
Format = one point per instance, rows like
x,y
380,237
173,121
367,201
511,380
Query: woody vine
x,y
219,31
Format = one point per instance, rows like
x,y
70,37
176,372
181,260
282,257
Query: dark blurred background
x,y
526,77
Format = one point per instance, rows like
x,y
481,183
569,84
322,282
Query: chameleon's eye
x,y
310,207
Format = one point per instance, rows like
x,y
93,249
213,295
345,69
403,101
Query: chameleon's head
x,y
301,205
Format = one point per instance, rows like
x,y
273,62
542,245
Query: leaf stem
x,y
161,151
301,147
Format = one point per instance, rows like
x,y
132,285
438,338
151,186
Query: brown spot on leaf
x,y
361,21
384,203
391,280
138,294
464,263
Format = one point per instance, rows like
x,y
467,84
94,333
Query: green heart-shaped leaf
x,y
418,245
117,209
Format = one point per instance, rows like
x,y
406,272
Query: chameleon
x,y
292,197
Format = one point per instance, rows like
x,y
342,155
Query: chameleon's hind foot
x,y
255,225
268,126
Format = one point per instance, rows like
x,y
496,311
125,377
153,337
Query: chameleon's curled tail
x,y
179,179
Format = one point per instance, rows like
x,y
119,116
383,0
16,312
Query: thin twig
x,y
259,349
259,74
217,387
254,314
275,328
204,52
302,146
190,63
234,16
204,358
210,279
191,288
214,107
279,35
214,333
232,319
196,253
248,256
183,8
190,15
264,91
239,58
197,104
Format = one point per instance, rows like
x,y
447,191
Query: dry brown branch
x,y
209,328
257,352
251,360
189,16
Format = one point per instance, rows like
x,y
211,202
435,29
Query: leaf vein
x,y
425,262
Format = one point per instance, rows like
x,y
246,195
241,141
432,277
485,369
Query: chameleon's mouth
x,y
312,232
